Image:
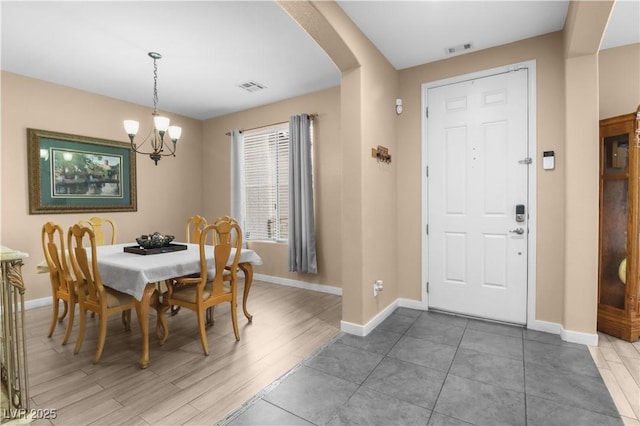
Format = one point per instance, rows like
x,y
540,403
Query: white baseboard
x,y
579,337
299,284
38,303
363,330
548,327
413,304
566,335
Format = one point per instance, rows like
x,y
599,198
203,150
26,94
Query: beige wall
x,y
167,193
328,179
548,52
619,80
582,192
584,28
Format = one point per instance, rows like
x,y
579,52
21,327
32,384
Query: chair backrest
x,y
231,220
195,225
56,257
226,238
86,270
224,219
96,223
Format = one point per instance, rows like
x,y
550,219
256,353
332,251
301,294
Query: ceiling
x,y
210,48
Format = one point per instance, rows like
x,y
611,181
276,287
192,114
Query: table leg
x,y
247,268
142,310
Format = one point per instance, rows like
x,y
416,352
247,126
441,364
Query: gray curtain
x,y
238,204
302,229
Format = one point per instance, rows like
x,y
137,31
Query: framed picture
x,y
73,174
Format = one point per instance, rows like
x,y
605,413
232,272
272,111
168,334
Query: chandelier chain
x,y
155,85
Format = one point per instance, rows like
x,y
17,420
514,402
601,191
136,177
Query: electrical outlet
x,y
377,287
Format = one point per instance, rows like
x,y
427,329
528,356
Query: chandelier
x,y
160,126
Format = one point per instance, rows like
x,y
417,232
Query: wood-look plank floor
x,y
181,385
619,364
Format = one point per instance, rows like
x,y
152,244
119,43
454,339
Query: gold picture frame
x,y
74,174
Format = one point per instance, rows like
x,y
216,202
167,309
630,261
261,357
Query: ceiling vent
x,y
459,48
252,86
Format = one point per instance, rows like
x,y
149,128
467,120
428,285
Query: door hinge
x,y
527,160
427,171
427,112
427,229
427,287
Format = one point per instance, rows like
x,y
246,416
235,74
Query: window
x,y
266,169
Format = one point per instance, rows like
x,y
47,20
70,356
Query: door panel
x,y
476,141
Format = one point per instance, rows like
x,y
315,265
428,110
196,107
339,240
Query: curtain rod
x,y
311,117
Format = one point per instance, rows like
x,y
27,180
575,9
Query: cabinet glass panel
x,y
616,154
613,242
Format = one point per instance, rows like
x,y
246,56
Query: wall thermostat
x,y
548,160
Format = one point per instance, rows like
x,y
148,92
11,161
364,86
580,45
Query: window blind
x,y
266,165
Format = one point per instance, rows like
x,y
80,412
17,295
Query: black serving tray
x,y
156,250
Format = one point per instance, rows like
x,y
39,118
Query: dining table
x,y
127,268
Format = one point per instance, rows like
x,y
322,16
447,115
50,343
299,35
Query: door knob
x,y
518,231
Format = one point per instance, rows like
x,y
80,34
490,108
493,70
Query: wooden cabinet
x,y
619,247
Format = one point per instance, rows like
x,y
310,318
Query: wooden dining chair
x,y
195,225
96,224
245,267
230,220
200,293
93,295
63,286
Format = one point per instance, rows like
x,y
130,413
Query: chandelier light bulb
x,y
175,132
161,123
131,127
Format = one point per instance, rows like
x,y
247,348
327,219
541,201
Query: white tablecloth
x,y
130,272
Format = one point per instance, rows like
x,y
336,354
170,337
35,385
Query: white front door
x,y
477,150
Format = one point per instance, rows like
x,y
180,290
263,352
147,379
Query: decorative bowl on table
x,y
154,240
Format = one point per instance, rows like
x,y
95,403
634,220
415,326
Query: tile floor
x,y
426,368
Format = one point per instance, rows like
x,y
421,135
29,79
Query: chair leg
x,y
67,333
102,335
210,315
126,319
64,313
203,332
54,317
83,321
